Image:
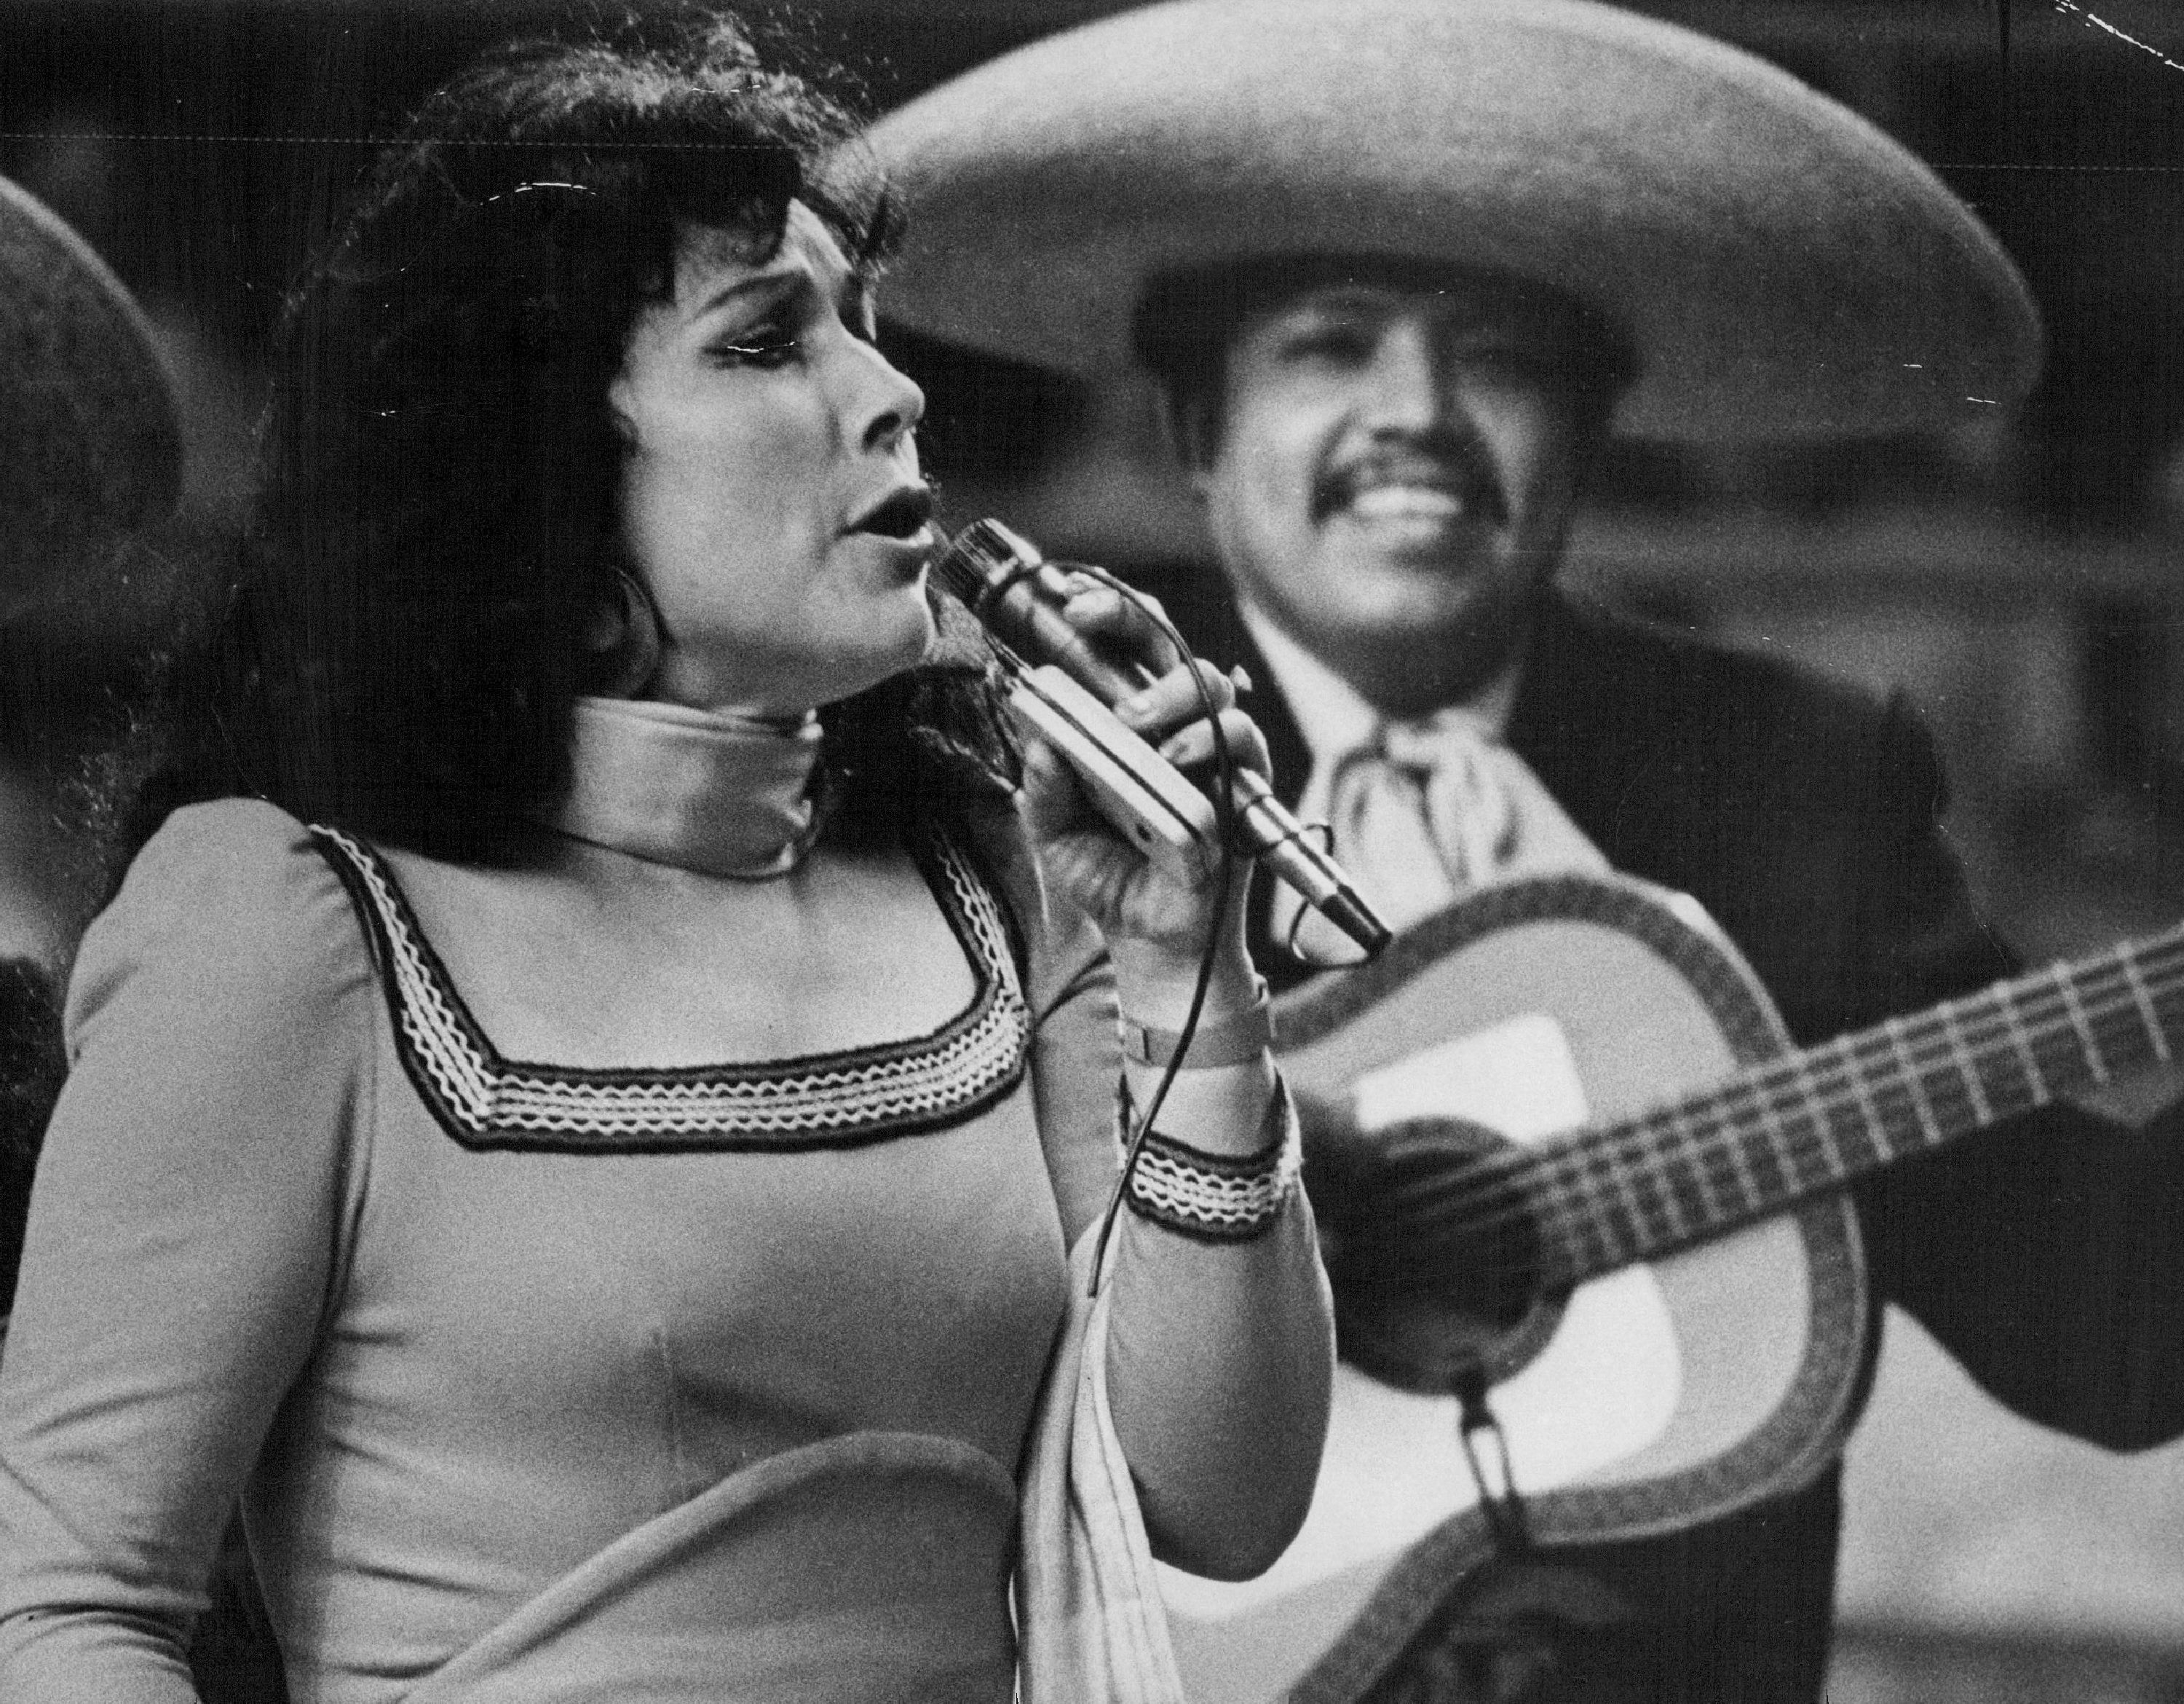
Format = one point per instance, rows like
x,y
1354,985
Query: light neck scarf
x,y
719,792
1420,812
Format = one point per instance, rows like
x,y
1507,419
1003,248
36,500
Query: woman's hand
x,y
1157,925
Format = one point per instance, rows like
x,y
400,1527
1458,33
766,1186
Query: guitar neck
x,y
1808,1122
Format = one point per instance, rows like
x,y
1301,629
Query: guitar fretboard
x,y
1810,1121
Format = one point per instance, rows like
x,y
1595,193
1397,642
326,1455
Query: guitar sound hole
x,y
1434,1255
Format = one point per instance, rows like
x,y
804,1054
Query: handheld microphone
x,y
1061,687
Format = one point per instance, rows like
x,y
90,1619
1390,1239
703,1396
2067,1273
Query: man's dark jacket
x,y
2048,1256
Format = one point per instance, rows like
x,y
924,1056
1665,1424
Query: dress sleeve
x,y
2047,1254
1219,1354
184,1242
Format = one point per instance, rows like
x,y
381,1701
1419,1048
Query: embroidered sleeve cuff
x,y
1214,1197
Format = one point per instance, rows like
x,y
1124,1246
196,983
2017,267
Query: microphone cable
x,y
1225,891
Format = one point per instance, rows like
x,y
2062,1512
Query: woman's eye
x,y
769,346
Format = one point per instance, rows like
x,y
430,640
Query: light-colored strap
x,y
1236,1040
1092,1628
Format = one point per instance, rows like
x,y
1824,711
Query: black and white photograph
x,y
1049,852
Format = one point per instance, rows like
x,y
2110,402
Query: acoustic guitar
x,y
1607,1217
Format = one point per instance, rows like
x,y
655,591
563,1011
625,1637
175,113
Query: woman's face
x,y
771,496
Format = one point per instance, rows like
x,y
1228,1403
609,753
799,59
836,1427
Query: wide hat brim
x,y
1782,269
89,430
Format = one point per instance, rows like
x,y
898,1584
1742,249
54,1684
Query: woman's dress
x,y
541,1382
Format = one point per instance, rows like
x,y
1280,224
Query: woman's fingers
x,y
1175,699
1127,894
1132,624
1053,802
1119,624
1192,745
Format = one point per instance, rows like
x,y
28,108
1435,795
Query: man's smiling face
x,y
1390,475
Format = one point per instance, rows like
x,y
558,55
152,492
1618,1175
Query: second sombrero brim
x,y
88,424
1782,269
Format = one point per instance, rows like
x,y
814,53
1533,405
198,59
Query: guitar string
x,y
1847,1062
1804,1127
1808,1084
1596,1159
1617,1193
1819,1138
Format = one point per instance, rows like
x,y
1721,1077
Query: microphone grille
x,y
984,555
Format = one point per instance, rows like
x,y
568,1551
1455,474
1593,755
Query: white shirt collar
x,y
1334,717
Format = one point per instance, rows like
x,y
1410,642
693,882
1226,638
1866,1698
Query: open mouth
x,y
901,515
1410,489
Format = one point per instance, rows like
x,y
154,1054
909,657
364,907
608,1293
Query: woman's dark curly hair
x,y
437,526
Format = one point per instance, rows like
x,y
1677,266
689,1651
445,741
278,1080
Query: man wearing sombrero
x,y
1400,266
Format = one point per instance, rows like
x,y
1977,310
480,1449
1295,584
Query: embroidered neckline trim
x,y
847,1098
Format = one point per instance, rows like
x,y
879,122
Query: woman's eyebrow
x,y
769,289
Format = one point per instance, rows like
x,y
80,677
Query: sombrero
x,y
1780,267
90,440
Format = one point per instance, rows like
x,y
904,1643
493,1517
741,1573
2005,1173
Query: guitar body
x,y
1652,1399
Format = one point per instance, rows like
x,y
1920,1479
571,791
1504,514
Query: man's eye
x,y
769,346
1330,342
1509,364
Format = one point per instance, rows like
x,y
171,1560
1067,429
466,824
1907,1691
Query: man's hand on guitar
x,y
2136,1100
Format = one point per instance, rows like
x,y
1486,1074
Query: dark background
x,y
195,142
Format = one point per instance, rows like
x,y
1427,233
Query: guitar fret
x,y
1965,1067
2064,987
1762,1159
2060,1047
2006,1087
1696,1214
1661,1175
1751,1133
1786,1119
1846,1125
1597,1177
1816,1108
1698,1160
1733,1154
2112,1013
2144,1000
1862,1092
1957,1094
1893,1028
1555,1181
1664,1214
1749,1196
1625,1198
1948,1094
1650,1206
2008,1004
1586,1232
1586,1220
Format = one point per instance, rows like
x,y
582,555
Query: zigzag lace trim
x,y
824,1100
1213,1196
